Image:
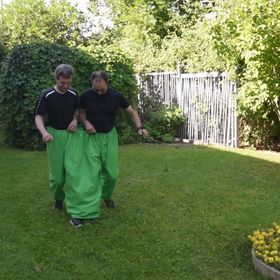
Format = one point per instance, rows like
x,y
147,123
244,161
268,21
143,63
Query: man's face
x,y
63,84
100,85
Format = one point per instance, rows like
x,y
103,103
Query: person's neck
x,y
101,92
59,91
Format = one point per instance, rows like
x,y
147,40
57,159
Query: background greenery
x,y
161,121
246,34
240,37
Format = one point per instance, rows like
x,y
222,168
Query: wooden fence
x,y
208,101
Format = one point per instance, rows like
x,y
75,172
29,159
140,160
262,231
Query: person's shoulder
x,y
46,92
73,91
114,92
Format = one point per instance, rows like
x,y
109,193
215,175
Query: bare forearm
x,y
76,115
136,120
88,126
39,121
82,116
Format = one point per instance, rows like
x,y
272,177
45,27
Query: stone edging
x,y
265,269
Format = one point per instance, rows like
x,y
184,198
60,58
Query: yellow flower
x,y
265,244
270,260
253,239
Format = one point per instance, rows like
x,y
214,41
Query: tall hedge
x,y
29,68
247,35
3,53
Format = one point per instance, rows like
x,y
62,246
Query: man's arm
x,y
88,126
72,127
137,122
39,121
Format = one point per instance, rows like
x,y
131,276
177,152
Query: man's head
x,y
63,76
99,81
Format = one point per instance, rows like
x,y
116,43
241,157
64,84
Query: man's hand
x,y
47,138
143,132
89,127
72,127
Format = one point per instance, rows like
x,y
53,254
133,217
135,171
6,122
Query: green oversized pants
x,y
56,158
87,165
103,153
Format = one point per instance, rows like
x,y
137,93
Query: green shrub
x,y
163,124
247,35
3,52
28,69
161,121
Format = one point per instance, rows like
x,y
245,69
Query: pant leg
x,y
56,152
83,181
110,159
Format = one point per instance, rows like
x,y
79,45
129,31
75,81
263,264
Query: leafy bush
x,y
56,21
154,33
3,53
29,69
163,124
161,121
247,34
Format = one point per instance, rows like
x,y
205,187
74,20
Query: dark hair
x,y
64,70
100,74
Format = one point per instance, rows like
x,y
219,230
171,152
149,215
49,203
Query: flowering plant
x,y
266,245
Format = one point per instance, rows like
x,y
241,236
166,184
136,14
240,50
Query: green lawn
x,y
184,212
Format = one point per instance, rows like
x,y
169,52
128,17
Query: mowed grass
x,y
183,212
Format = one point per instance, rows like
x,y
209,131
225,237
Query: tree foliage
x,y
247,34
23,21
243,38
151,28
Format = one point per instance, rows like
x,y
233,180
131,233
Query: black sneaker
x,y
75,222
110,203
58,205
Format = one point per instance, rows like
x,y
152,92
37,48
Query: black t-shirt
x,y
101,109
59,108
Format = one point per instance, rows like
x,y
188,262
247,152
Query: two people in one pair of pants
x,y
83,162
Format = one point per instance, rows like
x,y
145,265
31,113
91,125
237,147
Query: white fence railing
x,y
208,101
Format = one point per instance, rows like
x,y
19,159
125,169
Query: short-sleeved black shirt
x,y
59,108
101,109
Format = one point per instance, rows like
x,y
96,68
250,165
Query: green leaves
x,y
161,122
152,33
247,35
24,21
